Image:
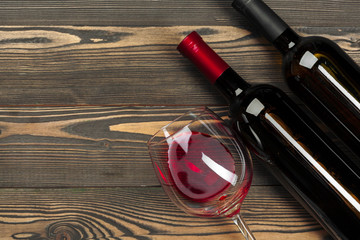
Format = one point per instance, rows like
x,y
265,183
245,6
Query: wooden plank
x,y
84,146
66,65
335,13
143,213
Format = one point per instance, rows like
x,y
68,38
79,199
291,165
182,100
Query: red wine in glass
x,y
202,167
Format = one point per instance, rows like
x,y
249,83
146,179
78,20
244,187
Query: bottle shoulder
x,y
259,91
258,96
311,53
306,52
313,43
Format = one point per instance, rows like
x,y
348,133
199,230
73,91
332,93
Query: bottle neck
x,y
268,23
216,70
231,85
286,41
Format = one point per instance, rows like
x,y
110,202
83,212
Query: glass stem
x,y
241,224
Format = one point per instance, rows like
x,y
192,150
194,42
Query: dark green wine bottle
x,y
317,70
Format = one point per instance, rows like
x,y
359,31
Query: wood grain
x,y
143,213
334,13
84,146
66,65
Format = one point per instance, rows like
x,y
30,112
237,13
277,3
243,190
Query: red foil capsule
x,y
208,62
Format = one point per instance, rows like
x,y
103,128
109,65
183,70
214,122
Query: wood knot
x,y
63,236
64,231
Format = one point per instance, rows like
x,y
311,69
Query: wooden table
x,y
85,83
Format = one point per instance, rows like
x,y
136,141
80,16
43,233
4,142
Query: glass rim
x,y
200,110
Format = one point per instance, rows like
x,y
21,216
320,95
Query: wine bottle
x,y
287,141
317,70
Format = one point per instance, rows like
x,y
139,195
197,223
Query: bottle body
x,y
321,74
312,169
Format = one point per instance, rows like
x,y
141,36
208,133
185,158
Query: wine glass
x,y
202,167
